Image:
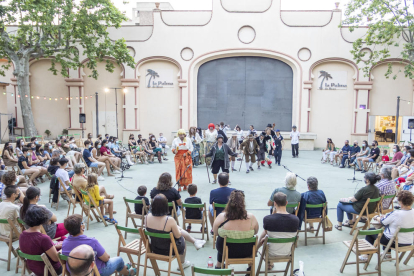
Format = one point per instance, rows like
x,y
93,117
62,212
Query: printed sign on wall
x,y
332,80
159,78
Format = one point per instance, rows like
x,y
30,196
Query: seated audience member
x,y
9,210
345,153
372,157
220,195
104,150
403,218
159,222
96,154
162,141
24,163
19,148
312,196
192,213
53,230
106,265
142,191
149,152
63,174
53,166
92,162
235,223
354,205
386,186
132,143
403,166
361,155
329,150
9,179
33,242
81,260
120,152
156,149
79,180
8,156
68,146
293,196
355,149
47,151
165,187
280,224
104,203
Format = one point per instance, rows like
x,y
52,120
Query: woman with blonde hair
x,y
93,188
289,190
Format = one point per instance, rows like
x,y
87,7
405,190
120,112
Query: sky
x,y
207,4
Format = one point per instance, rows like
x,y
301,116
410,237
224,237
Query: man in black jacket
x,y
219,154
219,131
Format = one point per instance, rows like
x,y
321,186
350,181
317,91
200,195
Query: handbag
x,y
328,224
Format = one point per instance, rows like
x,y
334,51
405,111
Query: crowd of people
x,y
62,159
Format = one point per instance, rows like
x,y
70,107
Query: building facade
x,y
244,62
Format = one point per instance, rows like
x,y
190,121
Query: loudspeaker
x,y
410,123
82,118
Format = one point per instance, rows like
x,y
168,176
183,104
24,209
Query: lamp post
x,y
116,105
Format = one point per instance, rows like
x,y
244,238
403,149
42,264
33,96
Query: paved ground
x,y
318,259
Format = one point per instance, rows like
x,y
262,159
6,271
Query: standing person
x,y
279,144
182,148
224,127
250,148
294,141
261,154
210,139
195,140
252,131
233,144
219,154
200,133
220,131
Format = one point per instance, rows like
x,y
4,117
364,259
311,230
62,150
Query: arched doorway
x,y
245,91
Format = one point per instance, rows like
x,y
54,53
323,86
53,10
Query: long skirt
x,y
196,154
181,164
202,159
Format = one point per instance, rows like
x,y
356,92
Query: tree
x,y
55,29
390,28
326,76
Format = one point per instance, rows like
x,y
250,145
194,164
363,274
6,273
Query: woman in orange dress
x,y
182,148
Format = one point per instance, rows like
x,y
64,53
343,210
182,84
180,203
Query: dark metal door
x,y
245,91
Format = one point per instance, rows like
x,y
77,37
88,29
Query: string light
x,y
4,93
44,98
55,99
38,97
76,97
67,98
32,97
50,98
18,96
25,96
60,98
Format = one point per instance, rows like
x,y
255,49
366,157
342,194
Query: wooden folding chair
x,y
216,205
290,260
371,164
91,206
80,201
369,216
64,191
174,212
203,221
132,215
9,240
249,261
398,249
362,247
64,259
320,220
173,254
38,258
210,271
134,247
294,205
390,208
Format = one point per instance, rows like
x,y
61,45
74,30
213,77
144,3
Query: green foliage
x,y
390,30
60,29
65,131
48,132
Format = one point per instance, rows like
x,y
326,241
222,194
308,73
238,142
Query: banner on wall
x,y
159,78
332,80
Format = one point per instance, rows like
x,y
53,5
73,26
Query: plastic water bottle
x,y
210,263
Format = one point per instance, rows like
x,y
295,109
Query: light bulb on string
x,y
32,97
67,98
38,97
71,98
12,94
4,93
76,97
55,99
18,96
25,96
50,99
44,98
61,98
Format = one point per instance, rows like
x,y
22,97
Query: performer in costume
x,y
195,140
219,154
233,144
279,144
250,148
209,138
182,148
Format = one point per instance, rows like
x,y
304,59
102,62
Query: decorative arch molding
x,y
335,59
389,60
81,73
157,58
259,52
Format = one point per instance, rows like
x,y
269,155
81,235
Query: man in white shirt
x,y
63,174
163,143
294,141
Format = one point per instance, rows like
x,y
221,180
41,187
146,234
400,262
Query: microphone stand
x,y
178,181
293,172
353,178
122,171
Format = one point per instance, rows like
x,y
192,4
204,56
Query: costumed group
x,y
217,150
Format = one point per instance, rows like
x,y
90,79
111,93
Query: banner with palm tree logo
x,y
159,78
332,80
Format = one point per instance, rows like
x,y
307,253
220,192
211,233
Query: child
x,y
385,157
142,191
192,213
93,189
